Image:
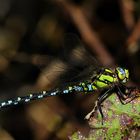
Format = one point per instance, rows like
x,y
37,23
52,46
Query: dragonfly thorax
x,y
122,74
107,77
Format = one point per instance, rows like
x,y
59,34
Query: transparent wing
x,y
81,64
74,64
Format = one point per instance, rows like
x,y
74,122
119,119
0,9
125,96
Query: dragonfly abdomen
x,y
28,98
81,87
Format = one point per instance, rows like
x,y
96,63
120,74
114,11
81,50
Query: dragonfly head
x,y
123,74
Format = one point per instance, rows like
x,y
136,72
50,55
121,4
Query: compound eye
x,y
121,73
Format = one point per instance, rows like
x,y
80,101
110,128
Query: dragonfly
x,y
87,81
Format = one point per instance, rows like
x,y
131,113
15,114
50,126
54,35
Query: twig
x,y
87,33
127,8
135,34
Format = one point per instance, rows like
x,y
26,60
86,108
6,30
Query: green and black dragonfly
x,y
89,80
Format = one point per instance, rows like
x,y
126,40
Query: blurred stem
x,y
88,34
127,8
135,34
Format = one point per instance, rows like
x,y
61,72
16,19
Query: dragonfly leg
x,y
101,99
98,104
122,97
125,94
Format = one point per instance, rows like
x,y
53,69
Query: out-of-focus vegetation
x,y
31,36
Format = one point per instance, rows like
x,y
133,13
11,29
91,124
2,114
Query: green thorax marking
x,y
105,79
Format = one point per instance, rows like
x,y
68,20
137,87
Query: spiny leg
x,y
125,94
123,98
98,103
101,99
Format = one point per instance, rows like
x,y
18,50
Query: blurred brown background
x,y
31,32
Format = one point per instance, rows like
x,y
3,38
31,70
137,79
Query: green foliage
x,y
120,121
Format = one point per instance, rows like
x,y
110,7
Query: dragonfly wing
x,y
81,64
75,64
